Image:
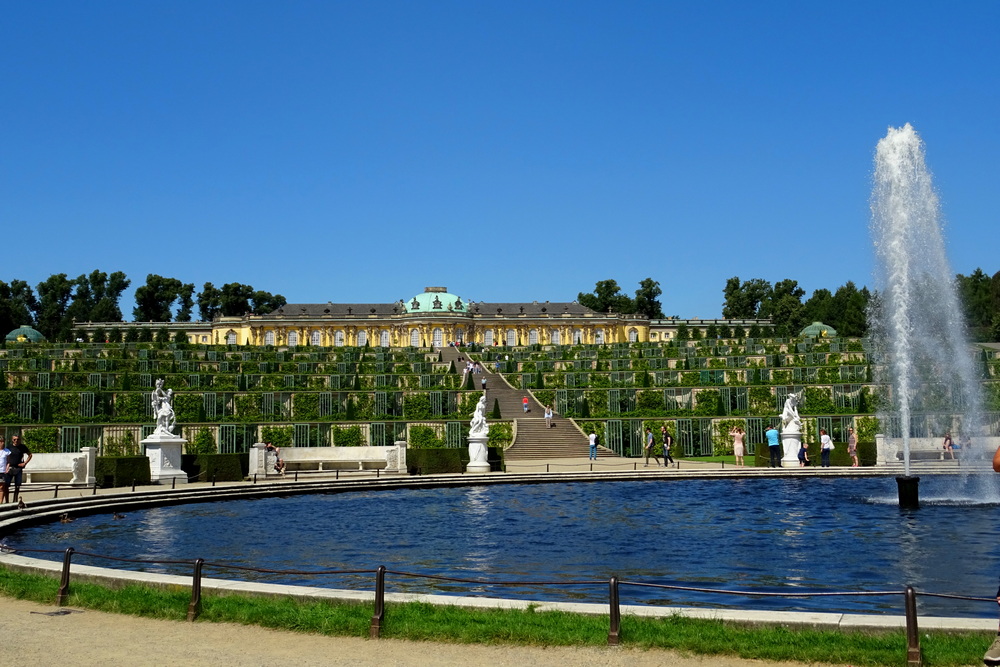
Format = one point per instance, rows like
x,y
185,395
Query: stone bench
x,y
390,459
65,467
890,450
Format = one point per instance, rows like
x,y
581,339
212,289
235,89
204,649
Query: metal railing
x,y
614,584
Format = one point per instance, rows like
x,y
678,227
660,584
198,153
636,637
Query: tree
x,y
976,294
53,301
850,307
153,301
820,308
784,307
209,302
17,305
265,302
646,302
96,297
743,300
607,298
185,297
235,300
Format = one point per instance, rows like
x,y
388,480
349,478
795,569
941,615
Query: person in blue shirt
x,y
773,446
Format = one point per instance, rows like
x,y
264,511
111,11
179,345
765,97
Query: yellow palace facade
x,y
434,317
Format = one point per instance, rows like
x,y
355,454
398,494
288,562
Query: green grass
x,y
424,622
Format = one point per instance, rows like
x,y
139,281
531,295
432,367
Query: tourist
x,y
593,446
773,446
15,465
649,448
524,403
803,455
483,383
548,416
826,446
852,446
948,445
737,434
992,656
668,443
4,453
279,463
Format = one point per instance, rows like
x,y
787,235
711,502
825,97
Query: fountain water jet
x,y
917,327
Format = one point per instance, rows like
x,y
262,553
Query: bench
x,y
390,459
64,467
890,450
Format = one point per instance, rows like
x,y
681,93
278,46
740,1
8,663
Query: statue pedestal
x,y
477,454
790,443
164,454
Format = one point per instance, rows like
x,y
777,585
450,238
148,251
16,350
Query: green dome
x,y
819,330
25,334
435,300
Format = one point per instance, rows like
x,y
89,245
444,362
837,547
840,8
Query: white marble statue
x,y
478,426
790,421
163,409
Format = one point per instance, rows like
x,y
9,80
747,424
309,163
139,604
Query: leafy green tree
x,y
96,297
743,299
850,308
235,299
186,298
820,308
209,302
53,302
646,299
265,302
153,301
17,305
606,297
976,291
784,307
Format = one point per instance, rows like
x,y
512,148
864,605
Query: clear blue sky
x,y
359,151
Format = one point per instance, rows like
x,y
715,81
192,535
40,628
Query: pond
x,y
784,535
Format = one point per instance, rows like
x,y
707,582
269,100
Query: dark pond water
x,y
783,535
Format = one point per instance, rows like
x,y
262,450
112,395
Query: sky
x,y
509,150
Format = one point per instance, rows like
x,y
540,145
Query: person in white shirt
x,y
826,446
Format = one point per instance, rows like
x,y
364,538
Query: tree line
x,y
56,303
845,309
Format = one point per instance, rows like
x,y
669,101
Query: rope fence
x,y
614,585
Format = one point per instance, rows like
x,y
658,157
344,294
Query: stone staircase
x,y
533,439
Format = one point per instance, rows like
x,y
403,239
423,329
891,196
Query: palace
x,y
435,317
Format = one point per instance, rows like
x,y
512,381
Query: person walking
x,y
593,445
649,448
483,382
548,416
825,449
803,455
668,444
852,446
524,403
773,446
737,435
18,458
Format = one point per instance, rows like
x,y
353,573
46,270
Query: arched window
x,y
460,335
599,336
511,338
532,336
338,338
414,338
362,338
268,338
293,337
316,338
383,338
488,337
231,338
633,335
555,337
438,337
577,336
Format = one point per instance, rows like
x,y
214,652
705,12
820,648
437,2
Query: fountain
x,y
917,327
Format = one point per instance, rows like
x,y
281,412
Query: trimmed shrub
x,y
221,467
113,471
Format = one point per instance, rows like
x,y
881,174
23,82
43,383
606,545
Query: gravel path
x,y
82,638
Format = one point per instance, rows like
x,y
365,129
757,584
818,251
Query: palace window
x,y
293,337
511,338
338,338
414,337
633,335
362,338
438,335
555,337
532,336
231,338
599,336
269,338
488,337
384,338
315,338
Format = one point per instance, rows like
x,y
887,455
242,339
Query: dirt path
x,y
84,638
